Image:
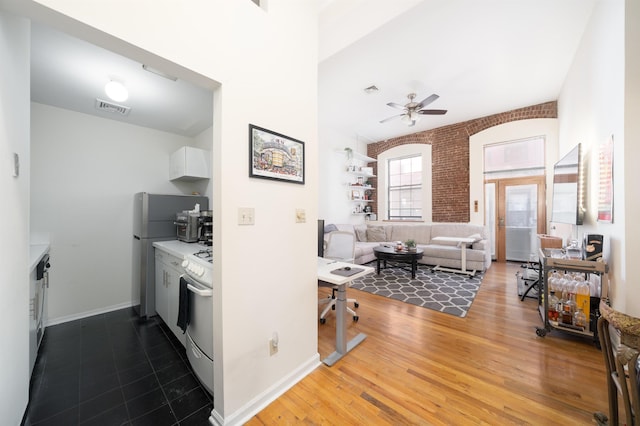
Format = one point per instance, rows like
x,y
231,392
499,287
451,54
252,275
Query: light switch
x,y
301,216
246,216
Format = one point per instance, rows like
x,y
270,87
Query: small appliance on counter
x,y
206,228
187,225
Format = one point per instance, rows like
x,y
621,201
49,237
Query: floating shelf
x,y
357,156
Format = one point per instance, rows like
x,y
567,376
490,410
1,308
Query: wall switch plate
x,y
246,216
301,216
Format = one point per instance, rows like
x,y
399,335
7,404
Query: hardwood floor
x,y
418,366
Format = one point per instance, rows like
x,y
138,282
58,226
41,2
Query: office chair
x,y
340,246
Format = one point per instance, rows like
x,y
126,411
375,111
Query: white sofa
x,y
436,253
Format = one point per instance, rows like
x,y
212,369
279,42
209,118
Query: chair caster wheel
x,y
333,308
356,318
356,305
323,320
541,332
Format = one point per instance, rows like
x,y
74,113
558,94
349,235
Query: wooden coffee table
x,y
389,253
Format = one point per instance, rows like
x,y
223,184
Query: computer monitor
x,y
320,238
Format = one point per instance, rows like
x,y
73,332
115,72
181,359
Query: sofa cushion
x,y
361,232
421,234
330,228
376,233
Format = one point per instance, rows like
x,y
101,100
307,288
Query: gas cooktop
x,y
205,255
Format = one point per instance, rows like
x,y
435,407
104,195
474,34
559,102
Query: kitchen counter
x,y
36,251
179,248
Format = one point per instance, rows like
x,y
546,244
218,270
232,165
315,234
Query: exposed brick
x,y
450,157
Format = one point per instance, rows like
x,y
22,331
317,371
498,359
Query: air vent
x,y
103,105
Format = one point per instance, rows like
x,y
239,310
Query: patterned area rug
x,y
441,291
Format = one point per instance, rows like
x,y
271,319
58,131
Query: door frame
x,y
500,231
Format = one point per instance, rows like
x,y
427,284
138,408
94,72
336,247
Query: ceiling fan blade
x,y
432,111
427,101
391,118
395,105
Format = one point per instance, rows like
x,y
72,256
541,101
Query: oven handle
x,y
199,292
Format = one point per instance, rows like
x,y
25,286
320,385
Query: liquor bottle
x,y
583,294
580,319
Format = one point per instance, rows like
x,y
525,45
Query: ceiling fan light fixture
x,y
116,91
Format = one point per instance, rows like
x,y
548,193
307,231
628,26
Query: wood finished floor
x,y
421,367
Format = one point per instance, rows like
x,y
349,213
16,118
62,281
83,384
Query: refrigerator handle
x,y
136,237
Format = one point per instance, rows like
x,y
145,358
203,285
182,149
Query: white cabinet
x,y
168,271
189,163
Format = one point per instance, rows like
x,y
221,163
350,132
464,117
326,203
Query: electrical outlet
x,y
273,344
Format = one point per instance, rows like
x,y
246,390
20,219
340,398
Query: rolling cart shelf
x,y
550,263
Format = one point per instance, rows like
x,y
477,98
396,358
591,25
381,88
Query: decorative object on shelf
x,y
411,245
275,156
349,152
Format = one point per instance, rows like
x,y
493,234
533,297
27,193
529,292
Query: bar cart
x,y
553,260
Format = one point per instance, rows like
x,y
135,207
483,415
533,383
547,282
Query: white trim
x,y
86,314
257,404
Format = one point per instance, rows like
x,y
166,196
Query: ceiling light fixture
x,y
158,72
116,91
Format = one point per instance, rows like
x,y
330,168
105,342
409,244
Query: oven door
x,y
200,327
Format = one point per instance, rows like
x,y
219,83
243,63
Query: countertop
x,y
36,251
179,248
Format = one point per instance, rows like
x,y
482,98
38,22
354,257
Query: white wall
x,y
591,108
85,170
14,234
521,129
265,275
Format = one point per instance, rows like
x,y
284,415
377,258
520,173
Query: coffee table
x,y
389,253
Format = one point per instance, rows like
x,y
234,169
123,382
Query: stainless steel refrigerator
x,y
153,220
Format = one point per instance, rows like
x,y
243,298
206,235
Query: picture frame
x,y
275,156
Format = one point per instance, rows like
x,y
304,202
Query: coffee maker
x,y
206,228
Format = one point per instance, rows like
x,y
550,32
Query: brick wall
x,y
450,157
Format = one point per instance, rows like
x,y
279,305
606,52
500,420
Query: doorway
x,y
516,214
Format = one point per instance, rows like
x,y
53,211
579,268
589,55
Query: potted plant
x,y
410,244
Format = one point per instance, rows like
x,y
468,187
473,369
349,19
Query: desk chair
x,y
340,246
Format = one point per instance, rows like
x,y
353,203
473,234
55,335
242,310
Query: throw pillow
x,y
376,233
361,233
330,228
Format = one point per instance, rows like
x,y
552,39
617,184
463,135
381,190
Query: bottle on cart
x,y
580,319
568,309
583,292
553,306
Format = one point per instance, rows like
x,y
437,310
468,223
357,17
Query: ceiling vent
x,y
103,105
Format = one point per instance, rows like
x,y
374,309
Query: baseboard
x,y
81,315
253,407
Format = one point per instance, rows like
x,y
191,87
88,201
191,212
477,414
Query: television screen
x,y
567,203
320,238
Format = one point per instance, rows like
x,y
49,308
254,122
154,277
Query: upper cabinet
x,y
189,163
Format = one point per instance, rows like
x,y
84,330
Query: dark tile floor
x,y
114,369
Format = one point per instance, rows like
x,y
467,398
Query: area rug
x,y
441,291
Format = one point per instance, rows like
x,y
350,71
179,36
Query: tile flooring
x,y
114,369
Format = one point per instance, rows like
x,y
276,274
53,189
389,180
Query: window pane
x,y
514,155
405,188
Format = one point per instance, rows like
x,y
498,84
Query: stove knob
x,y
200,271
185,263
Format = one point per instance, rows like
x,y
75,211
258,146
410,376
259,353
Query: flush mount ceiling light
x,y
158,72
116,91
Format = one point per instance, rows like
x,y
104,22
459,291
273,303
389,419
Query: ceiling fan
x,y
413,110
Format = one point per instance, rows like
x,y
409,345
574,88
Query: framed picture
x,y
275,156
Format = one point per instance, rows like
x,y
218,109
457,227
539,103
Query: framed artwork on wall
x,y
275,156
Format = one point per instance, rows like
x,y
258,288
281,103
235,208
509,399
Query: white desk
x,y
325,266
463,242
